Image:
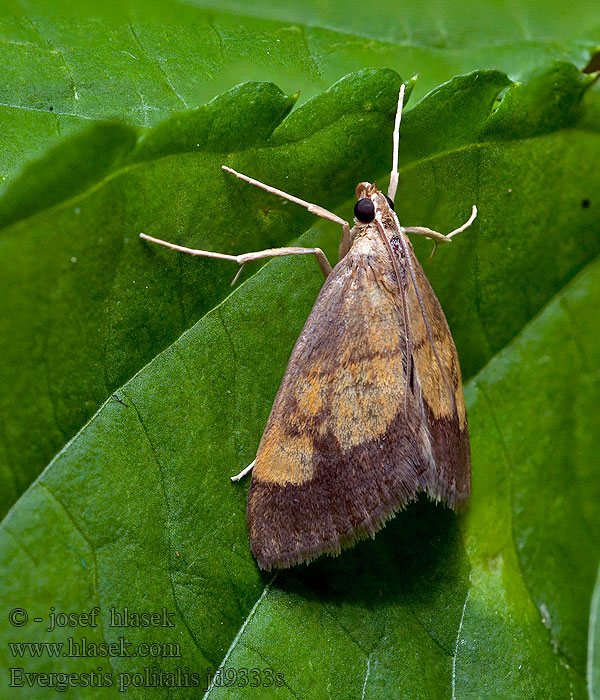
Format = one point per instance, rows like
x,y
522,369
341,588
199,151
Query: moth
x,y
370,411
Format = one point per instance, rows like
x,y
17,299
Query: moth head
x,y
370,201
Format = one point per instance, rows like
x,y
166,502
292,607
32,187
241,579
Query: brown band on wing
x,y
350,496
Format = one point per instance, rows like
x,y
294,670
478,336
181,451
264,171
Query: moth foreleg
x,y
278,252
243,473
438,237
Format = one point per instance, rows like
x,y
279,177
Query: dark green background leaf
x,y
87,304
144,60
593,669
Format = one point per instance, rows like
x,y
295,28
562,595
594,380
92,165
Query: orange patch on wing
x,y
309,396
284,458
368,395
435,390
360,404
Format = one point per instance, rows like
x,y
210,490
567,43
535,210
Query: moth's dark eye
x,y
389,201
364,210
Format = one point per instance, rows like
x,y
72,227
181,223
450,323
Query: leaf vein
x,y
553,633
238,636
157,63
167,524
89,543
456,646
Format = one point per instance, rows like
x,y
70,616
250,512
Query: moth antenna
x,y
394,174
313,208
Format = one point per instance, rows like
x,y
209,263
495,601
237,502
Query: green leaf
x,y
238,120
68,63
550,100
534,519
70,168
137,510
460,602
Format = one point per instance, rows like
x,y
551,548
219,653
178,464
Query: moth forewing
x,y
438,375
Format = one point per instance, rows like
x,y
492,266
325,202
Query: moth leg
x,y
393,186
243,473
438,237
279,252
246,257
